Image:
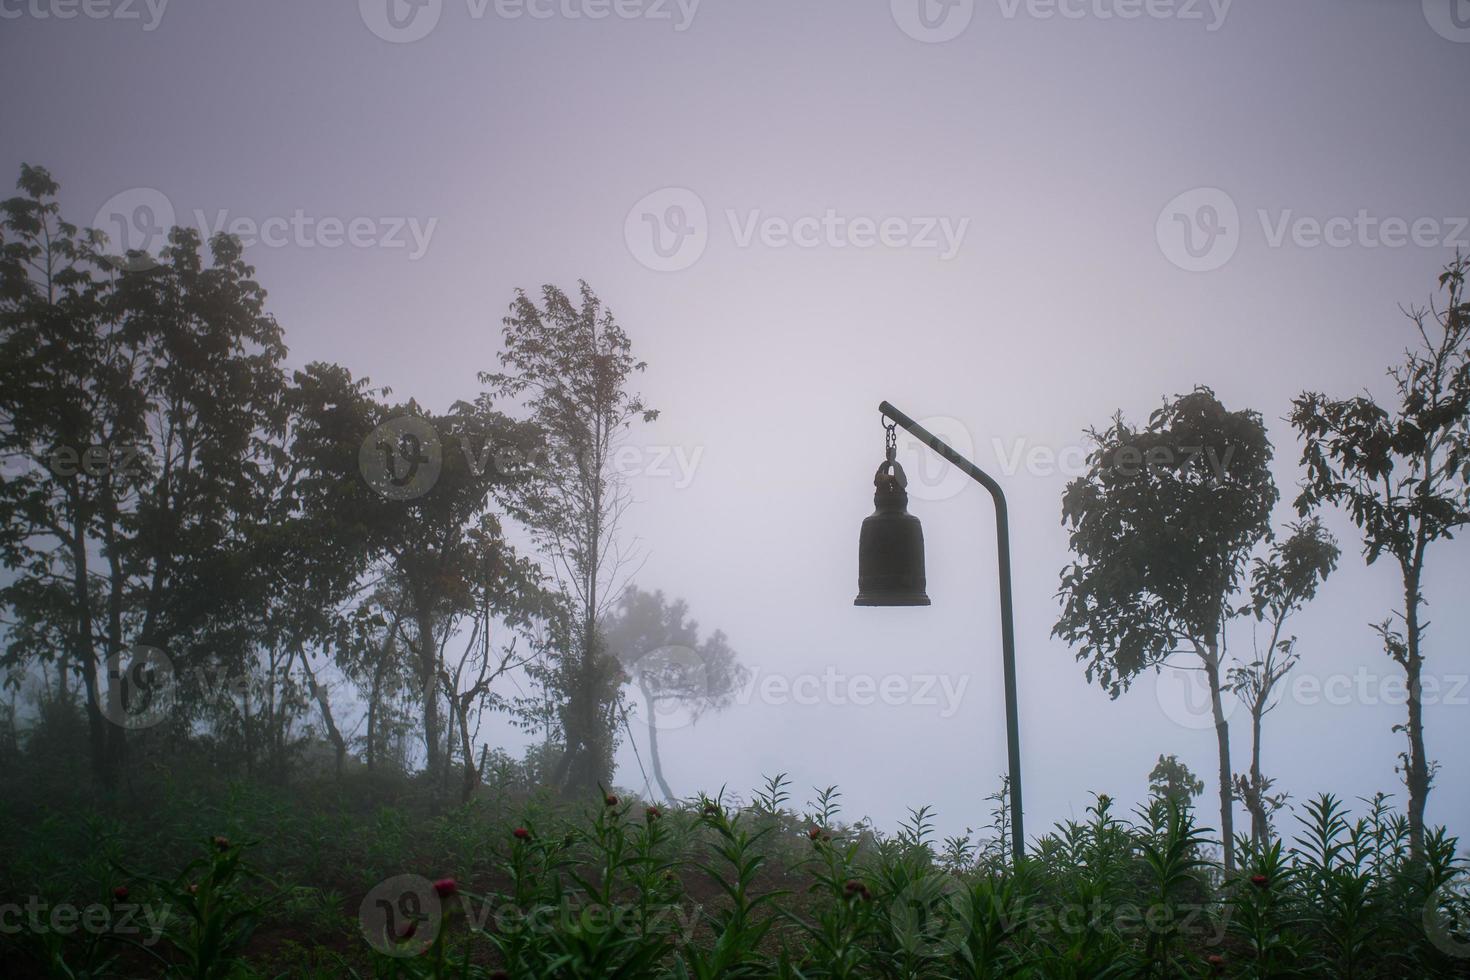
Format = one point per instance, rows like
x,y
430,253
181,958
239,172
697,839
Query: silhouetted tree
x,y
445,546
1162,526
1281,583
570,363
148,404
1173,780
1402,473
661,650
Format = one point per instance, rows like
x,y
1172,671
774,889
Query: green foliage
x,y
709,889
1162,525
1173,780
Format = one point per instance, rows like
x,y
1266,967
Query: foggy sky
x,y
528,149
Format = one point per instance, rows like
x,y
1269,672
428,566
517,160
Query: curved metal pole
x,y
1007,625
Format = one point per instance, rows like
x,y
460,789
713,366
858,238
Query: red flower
x,y
652,813
711,809
221,843
409,928
193,888
814,833
120,893
521,833
610,800
1216,961
856,889
1258,880
446,887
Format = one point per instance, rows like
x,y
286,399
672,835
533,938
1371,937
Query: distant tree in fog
x,y
673,668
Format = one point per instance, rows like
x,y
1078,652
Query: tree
x,y
1171,779
1281,583
570,364
1162,526
431,551
149,406
1402,472
308,559
509,595
660,649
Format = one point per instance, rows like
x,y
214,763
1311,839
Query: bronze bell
x,y
891,546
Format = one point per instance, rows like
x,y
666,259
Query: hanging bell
x,y
891,546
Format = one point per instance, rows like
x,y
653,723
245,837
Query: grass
x,y
196,878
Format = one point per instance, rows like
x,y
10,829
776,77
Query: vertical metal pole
x,y
1007,620
1008,657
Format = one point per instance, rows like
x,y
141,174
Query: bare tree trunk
x,y
654,760
1255,799
450,726
324,703
280,716
1222,739
86,652
428,686
1416,768
374,693
471,778
247,734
